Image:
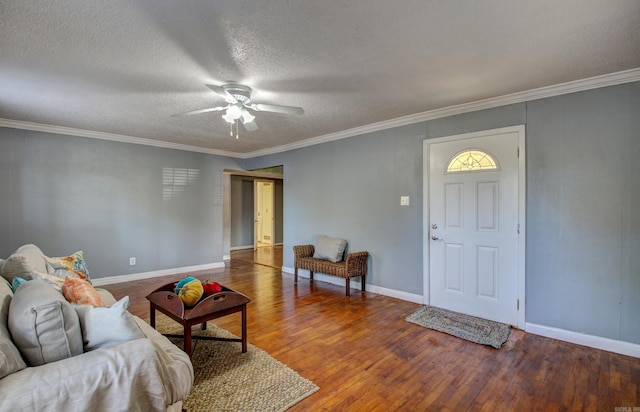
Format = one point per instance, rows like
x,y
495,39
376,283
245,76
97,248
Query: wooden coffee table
x,y
215,306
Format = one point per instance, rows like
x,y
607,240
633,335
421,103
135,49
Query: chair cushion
x,y
44,326
330,249
323,266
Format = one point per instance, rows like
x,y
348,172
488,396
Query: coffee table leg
x,y
187,339
152,315
244,328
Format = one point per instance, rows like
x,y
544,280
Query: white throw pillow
x,y
44,326
107,326
330,249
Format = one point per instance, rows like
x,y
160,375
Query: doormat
x,y
477,330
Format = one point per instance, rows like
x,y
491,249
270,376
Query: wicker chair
x,y
354,265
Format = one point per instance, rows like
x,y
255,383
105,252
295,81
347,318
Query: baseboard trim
x,y
250,247
109,280
392,293
597,342
241,247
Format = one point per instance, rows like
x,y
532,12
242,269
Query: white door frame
x,y
520,130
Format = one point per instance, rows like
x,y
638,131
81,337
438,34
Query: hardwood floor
x,y
364,356
266,255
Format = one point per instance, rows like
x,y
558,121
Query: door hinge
x,y
518,304
518,152
518,228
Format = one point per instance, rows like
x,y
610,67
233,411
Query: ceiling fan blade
x,y
210,109
222,93
277,108
250,126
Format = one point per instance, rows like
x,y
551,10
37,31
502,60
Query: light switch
x,y
404,200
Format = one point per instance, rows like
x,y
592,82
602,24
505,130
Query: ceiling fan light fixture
x,y
247,117
238,98
232,114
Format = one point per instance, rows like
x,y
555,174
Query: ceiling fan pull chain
x,y
231,129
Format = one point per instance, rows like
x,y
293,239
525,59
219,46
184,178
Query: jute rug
x,y
463,326
228,380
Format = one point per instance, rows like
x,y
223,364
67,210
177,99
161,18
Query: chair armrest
x,y
357,263
302,251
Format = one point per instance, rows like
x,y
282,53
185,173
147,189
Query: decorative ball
x,y
191,292
183,282
211,288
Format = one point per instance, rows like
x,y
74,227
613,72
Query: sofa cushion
x,y
103,327
24,261
44,326
330,249
79,291
10,359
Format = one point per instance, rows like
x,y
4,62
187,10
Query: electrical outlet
x,y
404,200
132,261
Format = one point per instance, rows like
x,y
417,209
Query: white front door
x,y
473,224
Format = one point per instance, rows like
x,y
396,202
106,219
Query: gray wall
x,y
583,220
241,211
351,189
67,193
583,196
583,269
279,210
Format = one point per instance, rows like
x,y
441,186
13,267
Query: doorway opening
x,y
253,216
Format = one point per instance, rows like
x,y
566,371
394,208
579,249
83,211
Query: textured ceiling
x,y
125,66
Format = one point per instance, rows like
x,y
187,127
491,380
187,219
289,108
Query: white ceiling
x,y
121,68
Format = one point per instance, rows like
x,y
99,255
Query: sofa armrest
x,y
302,251
357,263
128,376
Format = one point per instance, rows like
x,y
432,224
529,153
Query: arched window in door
x,y
471,160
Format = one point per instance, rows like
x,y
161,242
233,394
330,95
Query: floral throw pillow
x,y
73,265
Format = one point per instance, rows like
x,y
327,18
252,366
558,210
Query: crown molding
x,y
627,76
70,131
612,79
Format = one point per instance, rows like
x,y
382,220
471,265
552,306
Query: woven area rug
x,y
463,326
228,380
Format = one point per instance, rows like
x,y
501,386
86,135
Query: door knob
x,y
435,237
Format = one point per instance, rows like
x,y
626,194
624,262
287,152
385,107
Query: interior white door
x,y
264,201
267,213
473,224
257,213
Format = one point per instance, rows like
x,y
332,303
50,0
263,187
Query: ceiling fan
x,y
238,98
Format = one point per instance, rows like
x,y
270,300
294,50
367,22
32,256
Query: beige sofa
x,y
120,363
